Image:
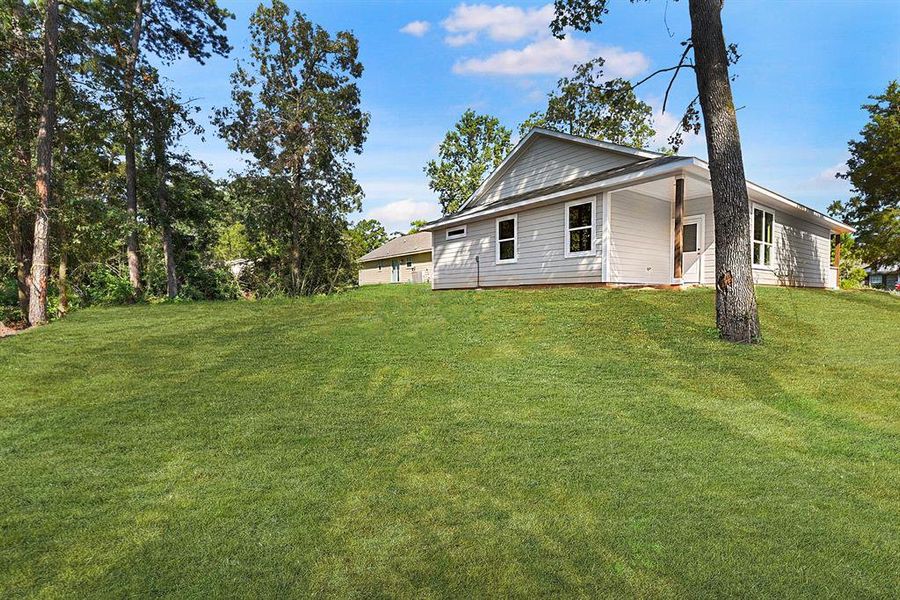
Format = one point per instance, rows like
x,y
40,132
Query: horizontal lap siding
x,y
640,244
420,271
548,161
540,253
802,249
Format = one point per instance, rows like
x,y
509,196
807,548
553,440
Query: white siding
x,y
547,161
540,253
640,247
802,249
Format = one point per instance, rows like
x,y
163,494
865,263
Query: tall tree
x,y
18,60
736,312
874,171
167,29
365,236
586,105
474,147
37,306
296,112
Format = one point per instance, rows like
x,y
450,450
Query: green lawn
x,y
402,442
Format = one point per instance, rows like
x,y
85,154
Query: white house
x,y
562,209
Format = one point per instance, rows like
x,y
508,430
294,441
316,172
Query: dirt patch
x,y
12,329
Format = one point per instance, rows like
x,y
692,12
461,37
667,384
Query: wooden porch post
x,y
679,229
837,259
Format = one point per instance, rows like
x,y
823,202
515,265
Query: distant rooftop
x,y
401,246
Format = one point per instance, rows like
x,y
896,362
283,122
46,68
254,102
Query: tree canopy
x,y
873,170
469,151
296,111
587,105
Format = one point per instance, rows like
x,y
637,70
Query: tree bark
x,y
37,306
20,224
162,196
63,273
134,262
736,312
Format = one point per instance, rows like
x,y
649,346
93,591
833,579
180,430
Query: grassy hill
x,y
400,442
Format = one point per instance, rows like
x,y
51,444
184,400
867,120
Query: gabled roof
x,y
649,165
536,132
637,168
401,246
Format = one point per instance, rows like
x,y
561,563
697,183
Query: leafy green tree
x,y
874,171
416,225
365,236
167,29
296,111
588,106
474,147
737,318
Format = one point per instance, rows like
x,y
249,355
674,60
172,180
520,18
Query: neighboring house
x,y
562,209
883,277
405,259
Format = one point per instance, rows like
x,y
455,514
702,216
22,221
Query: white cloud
x,y
828,175
397,215
500,23
460,40
550,56
416,28
825,180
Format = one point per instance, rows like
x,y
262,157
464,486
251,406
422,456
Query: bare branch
x,y
687,48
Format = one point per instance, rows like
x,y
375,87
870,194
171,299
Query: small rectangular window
x,y
689,238
763,237
875,280
409,261
379,265
456,232
580,228
506,239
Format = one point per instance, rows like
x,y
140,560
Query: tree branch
x,y
687,48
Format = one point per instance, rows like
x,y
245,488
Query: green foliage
x,y
232,243
416,225
365,236
107,284
296,111
474,147
587,105
874,171
852,273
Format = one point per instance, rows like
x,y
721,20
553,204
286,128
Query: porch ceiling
x,y
664,189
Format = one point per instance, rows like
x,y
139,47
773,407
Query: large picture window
x,y
580,228
506,239
763,237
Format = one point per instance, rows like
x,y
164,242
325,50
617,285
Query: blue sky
x,y
807,66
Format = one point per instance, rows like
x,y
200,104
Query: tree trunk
x,y
162,196
296,261
37,307
20,225
736,314
134,263
63,274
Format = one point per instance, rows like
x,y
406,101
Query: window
x,y
506,239
689,238
379,265
456,232
409,261
580,228
763,236
875,280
